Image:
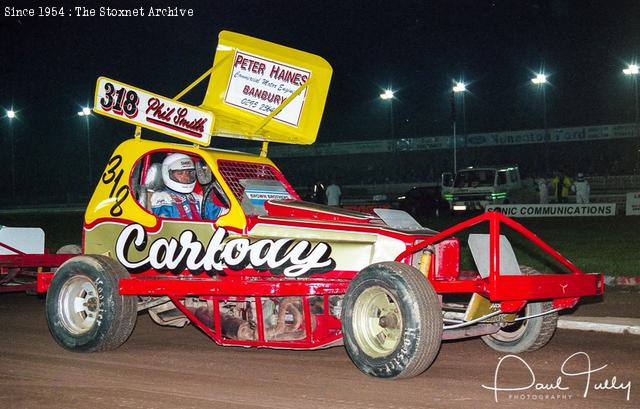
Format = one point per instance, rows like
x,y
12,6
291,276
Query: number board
x,y
139,107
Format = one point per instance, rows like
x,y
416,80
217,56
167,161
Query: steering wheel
x,y
213,187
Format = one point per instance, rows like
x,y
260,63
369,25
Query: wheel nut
x,y
389,321
92,304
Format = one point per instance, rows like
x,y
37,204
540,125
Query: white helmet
x,y
174,162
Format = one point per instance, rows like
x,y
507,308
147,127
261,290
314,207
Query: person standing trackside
x,y
582,189
333,194
555,187
560,184
566,183
543,190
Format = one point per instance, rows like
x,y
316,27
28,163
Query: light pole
x,y
11,114
388,95
86,113
540,80
459,88
633,70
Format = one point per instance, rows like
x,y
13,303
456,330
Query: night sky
x,y
49,66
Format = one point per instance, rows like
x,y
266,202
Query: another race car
x,y
265,269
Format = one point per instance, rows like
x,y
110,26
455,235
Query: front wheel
x,y
391,321
84,309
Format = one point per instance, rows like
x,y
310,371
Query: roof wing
x,y
267,92
257,90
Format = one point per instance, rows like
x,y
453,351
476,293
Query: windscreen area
x,y
254,183
475,178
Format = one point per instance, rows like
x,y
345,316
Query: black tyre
x,y
84,309
391,321
528,335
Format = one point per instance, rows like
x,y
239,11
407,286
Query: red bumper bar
x,y
253,288
188,286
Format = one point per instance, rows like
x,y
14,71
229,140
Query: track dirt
x,y
181,368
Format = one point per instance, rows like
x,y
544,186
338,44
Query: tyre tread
x,y
548,328
432,317
124,323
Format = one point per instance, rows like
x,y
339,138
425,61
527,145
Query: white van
x,y
475,187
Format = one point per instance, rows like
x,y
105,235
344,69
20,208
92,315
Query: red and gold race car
x,y
221,240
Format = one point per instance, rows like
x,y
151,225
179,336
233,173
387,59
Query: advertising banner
x,y
555,210
633,204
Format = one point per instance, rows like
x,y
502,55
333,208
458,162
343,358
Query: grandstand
x,y
606,154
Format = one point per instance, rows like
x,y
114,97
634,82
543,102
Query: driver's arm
x,y
212,211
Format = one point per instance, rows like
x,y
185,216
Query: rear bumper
x,y
545,286
564,289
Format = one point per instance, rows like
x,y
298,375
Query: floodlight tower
x,y
11,115
540,81
459,88
388,95
633,70
86,113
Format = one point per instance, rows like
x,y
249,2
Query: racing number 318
x,y
121,100
112,175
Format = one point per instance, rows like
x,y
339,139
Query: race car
x,y
266,269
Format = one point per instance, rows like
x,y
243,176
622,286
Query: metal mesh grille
x,y
233,172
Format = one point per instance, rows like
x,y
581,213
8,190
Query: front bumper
x,y
469,205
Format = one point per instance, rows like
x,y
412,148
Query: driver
x,y
177,200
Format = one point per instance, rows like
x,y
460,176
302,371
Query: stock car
x,y
272,270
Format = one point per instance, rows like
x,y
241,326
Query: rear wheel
x,y
84,309
527,335
391,322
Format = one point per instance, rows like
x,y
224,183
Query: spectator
x,y
554,183
566,186
543,190
560,185
582,189
333,194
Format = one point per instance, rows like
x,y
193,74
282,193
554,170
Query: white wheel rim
x,y
78,305
513,332
377,322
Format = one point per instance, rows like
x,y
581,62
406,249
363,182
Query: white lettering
x,y
282,256
555,210
612,384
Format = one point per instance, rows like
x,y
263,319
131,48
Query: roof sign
x,y
252,79
259,85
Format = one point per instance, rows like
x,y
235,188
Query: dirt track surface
x,y
181,368
616,302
